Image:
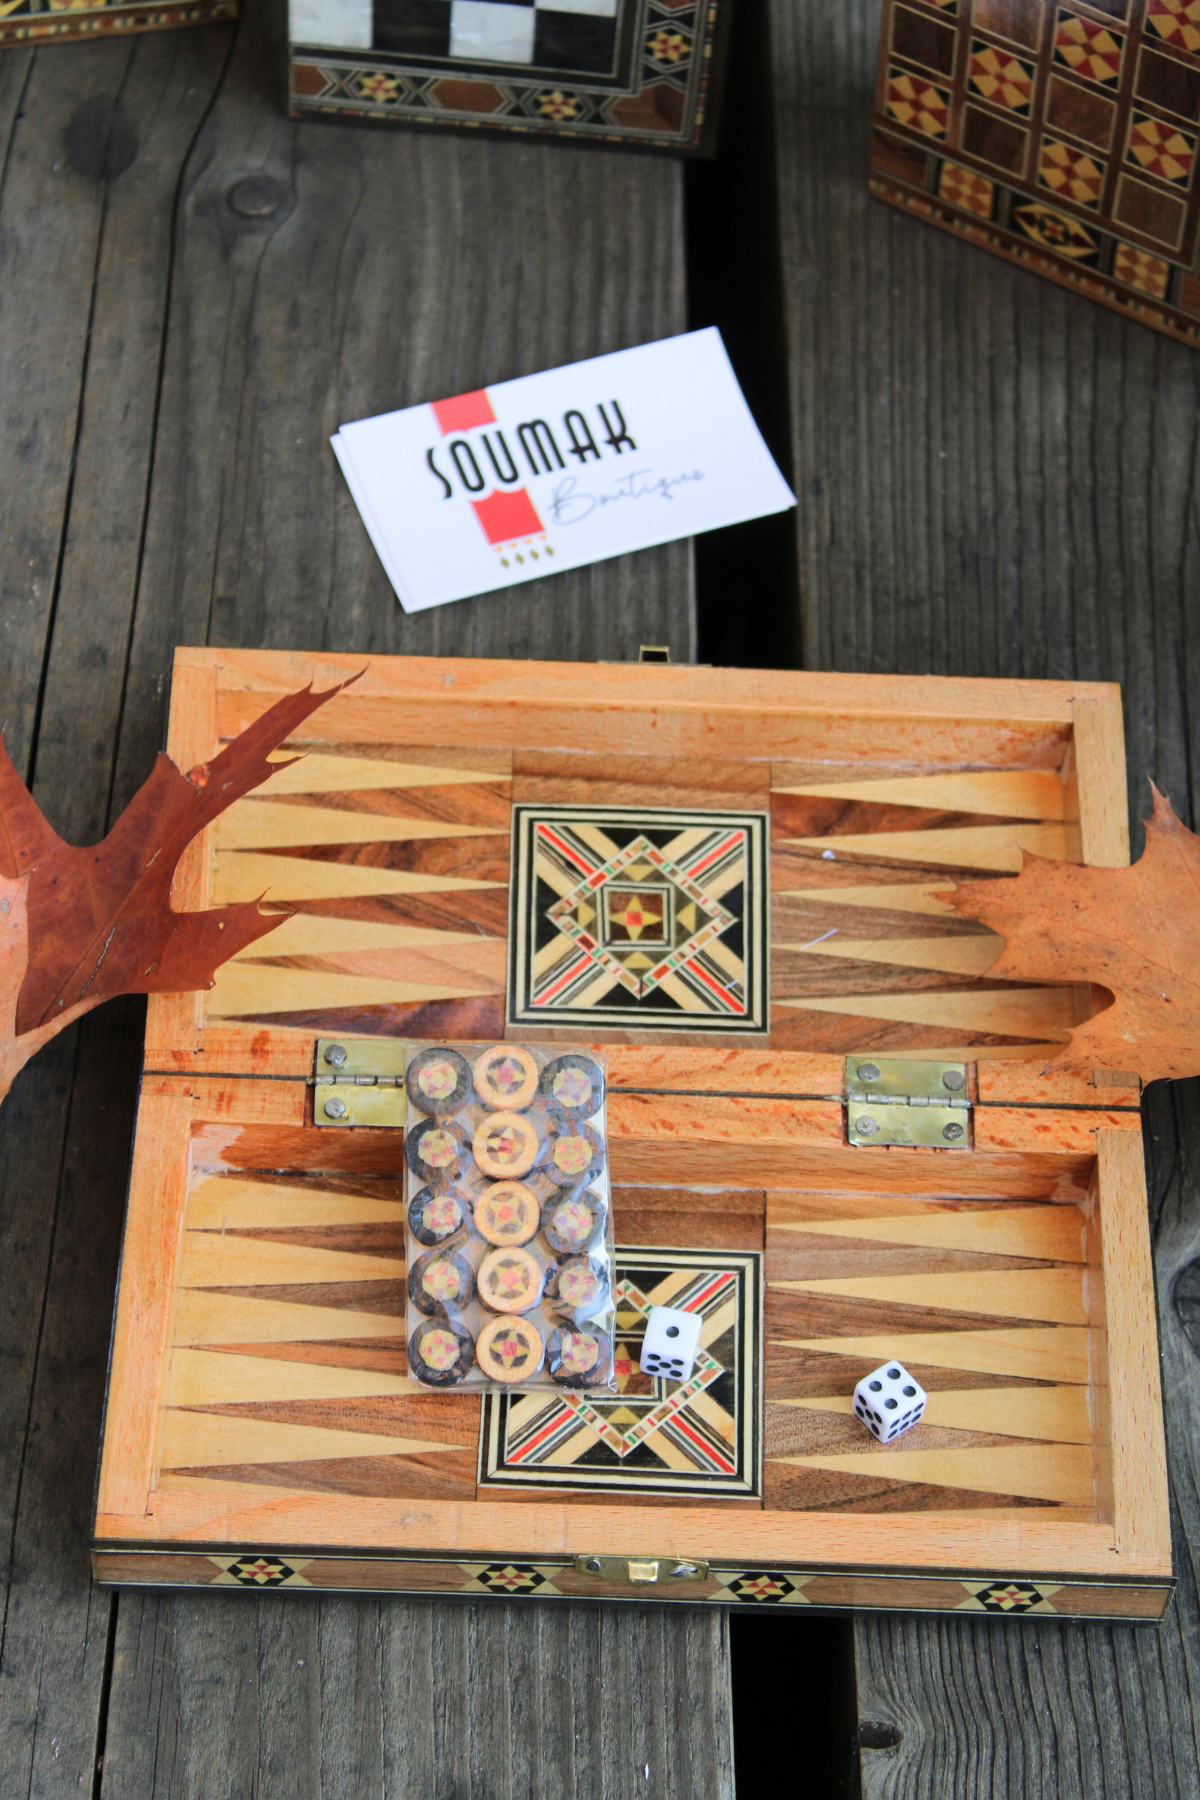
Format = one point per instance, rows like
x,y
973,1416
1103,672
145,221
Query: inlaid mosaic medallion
x,y
631,917
700,1436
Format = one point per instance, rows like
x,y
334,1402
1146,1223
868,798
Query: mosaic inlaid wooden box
x,y
784,940
1059,134
59,21
644,72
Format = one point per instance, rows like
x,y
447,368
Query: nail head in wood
x,y
257,197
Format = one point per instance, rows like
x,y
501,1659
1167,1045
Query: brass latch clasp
x,y
643,1571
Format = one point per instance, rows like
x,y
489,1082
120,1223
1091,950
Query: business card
x,y
556,470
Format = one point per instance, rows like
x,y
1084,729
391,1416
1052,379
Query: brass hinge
x,y
644,1571
659,653
902,1101
360,1083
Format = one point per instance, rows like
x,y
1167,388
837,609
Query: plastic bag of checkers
x,y
508,1218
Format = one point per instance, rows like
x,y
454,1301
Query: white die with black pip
x,y
671,1342
889,1401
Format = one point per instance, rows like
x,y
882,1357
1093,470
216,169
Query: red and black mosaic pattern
x,y
1060,134
647,918
701,1436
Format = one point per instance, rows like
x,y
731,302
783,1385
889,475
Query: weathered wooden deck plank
x,y
98,136
46,280
996,477
398,266
170,384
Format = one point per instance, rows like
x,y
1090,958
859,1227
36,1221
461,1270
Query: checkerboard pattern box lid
x,y
642,72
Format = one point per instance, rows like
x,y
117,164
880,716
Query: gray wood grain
x,y
170,372
996,477
150,117
41,369
398,267
85,218
415,1699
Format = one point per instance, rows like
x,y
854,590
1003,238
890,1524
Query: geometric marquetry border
x,y
736,1584
1095,283
90,21
669,102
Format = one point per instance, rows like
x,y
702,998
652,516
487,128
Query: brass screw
x,y
335,1107
335,1055
952,1132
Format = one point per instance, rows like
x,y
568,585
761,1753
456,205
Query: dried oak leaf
x,y
1135,931
15,1051
100,920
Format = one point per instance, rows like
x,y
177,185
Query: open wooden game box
x,y
987,1226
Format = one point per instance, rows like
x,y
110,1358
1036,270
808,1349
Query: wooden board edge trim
x,y
1098,745
1141,1505
100,22
288,1055
638,1123
631,686
158,1186
891,1541
811,1588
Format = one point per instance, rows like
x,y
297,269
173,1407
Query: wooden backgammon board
x,y
438,845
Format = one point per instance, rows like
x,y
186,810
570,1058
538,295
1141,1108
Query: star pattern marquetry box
x,y
59,21
1060,134
735,882
644,72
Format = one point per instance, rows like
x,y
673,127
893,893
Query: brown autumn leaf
x,y
99,919
15,1051
1135,931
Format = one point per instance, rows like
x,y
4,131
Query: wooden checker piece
x,y
509,1280
570,1222
576,1286
507,1213
437,1214
573,1083
438,1081
438,1151
506,1076
576,1152
577,1357
440,1279
506,1145
440,1354
510,1350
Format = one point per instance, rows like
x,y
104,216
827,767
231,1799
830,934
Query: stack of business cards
x,y
560,469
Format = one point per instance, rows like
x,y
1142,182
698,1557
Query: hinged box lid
x,y
414,906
